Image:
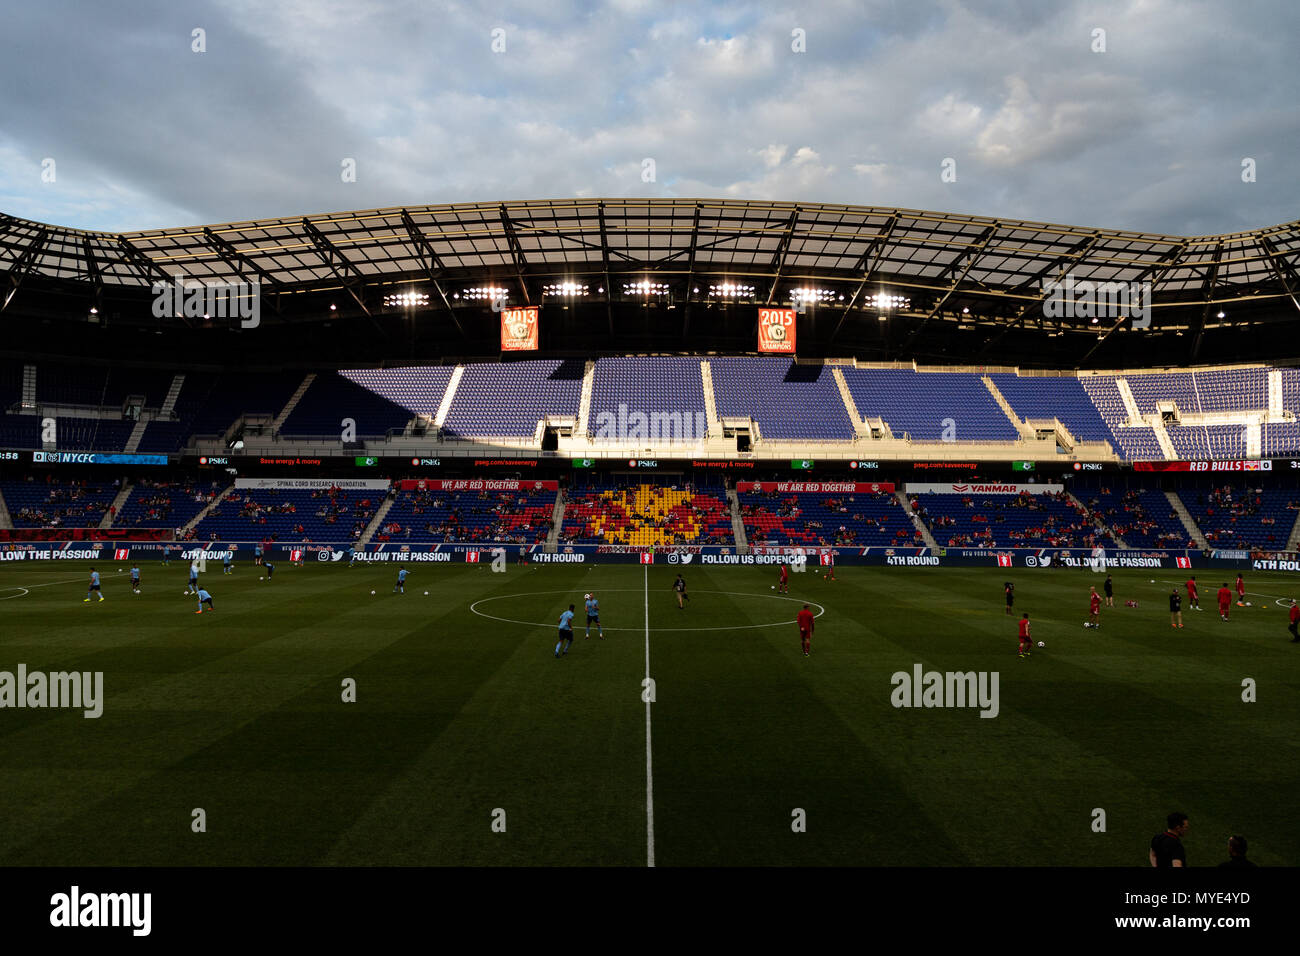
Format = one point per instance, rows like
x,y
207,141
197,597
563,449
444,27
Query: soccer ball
x,y
1248,604
1041,644
372,592
773,587
1153,580
263,578
426,593
585,597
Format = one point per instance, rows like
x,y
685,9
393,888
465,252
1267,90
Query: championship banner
x,y
519,329
475,484
981,488
776,331
818,487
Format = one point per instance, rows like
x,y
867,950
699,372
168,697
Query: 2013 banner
x,y
519,329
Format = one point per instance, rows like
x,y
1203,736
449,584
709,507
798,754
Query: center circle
x,y
734,627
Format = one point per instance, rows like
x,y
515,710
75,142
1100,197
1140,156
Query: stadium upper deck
x,y
666,406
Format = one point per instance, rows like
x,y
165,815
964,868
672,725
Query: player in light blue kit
x,y
225,564
593,617
204,598
135,578
400,586
566,631
94,588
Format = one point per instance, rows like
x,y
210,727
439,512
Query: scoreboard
x,y
1212,466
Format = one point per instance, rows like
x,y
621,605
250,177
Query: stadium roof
x,y
944,269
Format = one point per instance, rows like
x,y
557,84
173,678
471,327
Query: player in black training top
x,y
1010,590
1167,848
680,587
1109,588
1175,608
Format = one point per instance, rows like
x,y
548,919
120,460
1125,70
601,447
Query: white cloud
x,y
1042,128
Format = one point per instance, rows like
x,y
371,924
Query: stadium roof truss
x,y
937,268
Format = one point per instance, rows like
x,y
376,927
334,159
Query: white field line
x,y
649,771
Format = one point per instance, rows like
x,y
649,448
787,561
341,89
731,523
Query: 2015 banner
x,y
776,331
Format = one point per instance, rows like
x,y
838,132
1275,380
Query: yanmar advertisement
x,y
981,488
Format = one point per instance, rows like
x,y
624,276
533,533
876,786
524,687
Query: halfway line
x,y
649,773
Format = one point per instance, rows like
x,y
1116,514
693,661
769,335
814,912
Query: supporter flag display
x,y
776,331
519,329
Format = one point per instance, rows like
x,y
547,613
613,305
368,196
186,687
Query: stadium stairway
x,y
278,422
557,521
1130,403
1186,518
710,402
193,522
115,508
6,521
1097,522
377,521
584,400
444,407
1162,436
1021,426
168,408
133,440
1292,542
737,522
27,400
860,427
917,523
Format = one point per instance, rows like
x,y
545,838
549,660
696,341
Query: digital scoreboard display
x,y
1211,466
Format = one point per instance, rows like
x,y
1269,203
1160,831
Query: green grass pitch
x,y
457,714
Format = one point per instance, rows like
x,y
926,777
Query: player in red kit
x,y
1241,591
784,585
1026,642
829,558
805,621
1193,599
1294,626
1225,600
1094,608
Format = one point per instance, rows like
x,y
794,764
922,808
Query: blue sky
x,y
1148,135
